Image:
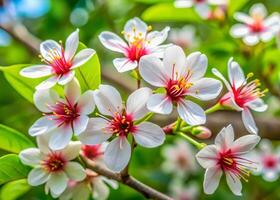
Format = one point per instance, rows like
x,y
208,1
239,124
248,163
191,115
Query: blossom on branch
x,y
140,42
242,95
63,117
60,62
119,121
229,157
180,77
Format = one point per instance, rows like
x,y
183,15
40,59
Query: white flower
x,y
256,27
62,117
60,62
229,157
140,43
184,37
54,168
268,160
242,95
94,152
120,123
202,7
179,159
179,191
94,185
180,77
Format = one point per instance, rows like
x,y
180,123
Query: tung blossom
x,y
54,168
60,62
229,157
119,121
140,42
242,95
62,116
256,26
180,77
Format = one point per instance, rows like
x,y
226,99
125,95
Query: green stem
x,y
185,129
178,124
214,108
145,118
192,141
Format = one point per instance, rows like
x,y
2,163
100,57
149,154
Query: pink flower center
x,y
54,162
257,26
199,1
182,161
58,62
270,161
236,165
136,50
92,151
122,124
64,112
247,92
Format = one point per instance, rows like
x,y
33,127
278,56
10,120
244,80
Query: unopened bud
x,y
201,132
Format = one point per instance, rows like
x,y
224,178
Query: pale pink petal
x,y
100,189
239,30
44,99
75,171
272,20
212,179
160,103
36,71
155,38
108,100
113,42
31,156
60,137
203,9
152,70
243,18
86,103
205,89
82,57
71,45
66,78
72,150
251,39
234,183
117,154
43,143
96,132
48,47
191,113
258,10
136,103
46,84
58,183
245,143
225,138
220,76
72,91
229,100
257,105
43,125
124,64
235,74
134,28
208,156
37,176
249,121
158,51
266,36
149,135
80,124
196,65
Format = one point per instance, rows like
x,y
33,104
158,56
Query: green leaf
x,y
12,169
12,140
14,189
168,12
89,74
153,1
235,5
24,86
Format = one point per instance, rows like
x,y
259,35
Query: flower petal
x,y
212,179
273,19
43,125
155,38
249,121
258,10
46,84
220,76
75,171
37,176
58,183
205,89
80,124
243,18
225,138
60,137
251,39
86,103
245,143
153,71
160,103
72,91
136,103
30,156
174,62
135,27
108,100
239,30
183,3
266,36
124,64
113,42
203,9
235,74
196,64
149,135
44,99
71,45
95,132
72,150
207,157
191,113
100,189
117,154
36,71
82,57
49,46
234,183
66,78
257,105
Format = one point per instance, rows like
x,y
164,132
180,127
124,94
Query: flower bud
x,y
201,132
